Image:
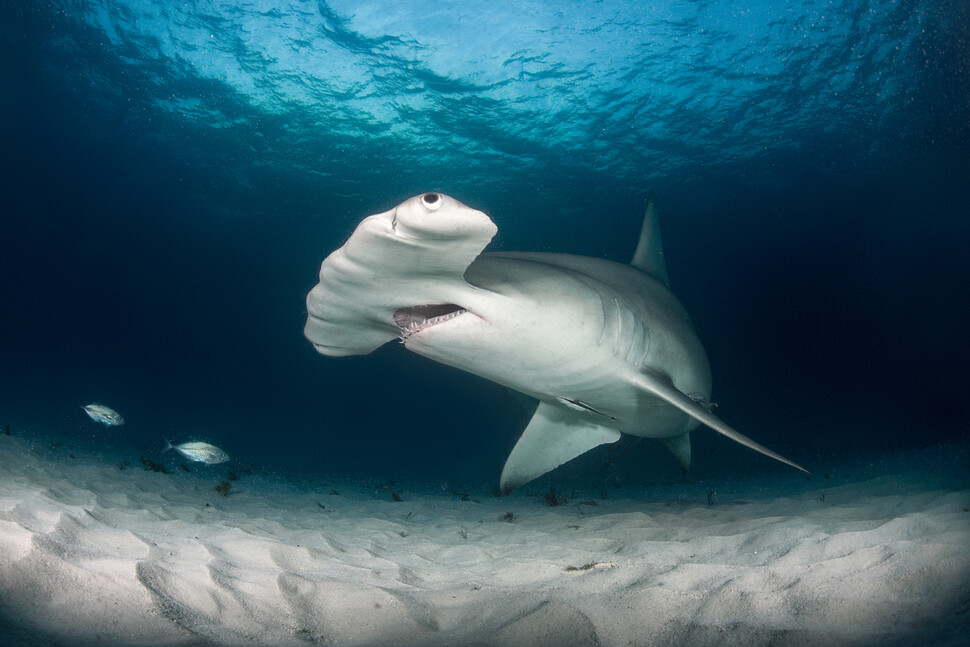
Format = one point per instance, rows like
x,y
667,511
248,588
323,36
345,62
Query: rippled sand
x,y
93,554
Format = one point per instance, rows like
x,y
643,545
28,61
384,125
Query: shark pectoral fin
x,y
553,436
661,386
679,446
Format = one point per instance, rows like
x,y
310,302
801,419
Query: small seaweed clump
x,y
395,496
152,466
553,498
585,567
464,496
223,488
589,566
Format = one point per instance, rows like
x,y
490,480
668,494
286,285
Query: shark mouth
x,y
416,318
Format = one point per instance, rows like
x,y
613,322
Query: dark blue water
x,y
173,174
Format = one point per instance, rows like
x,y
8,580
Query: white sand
x,y
91,554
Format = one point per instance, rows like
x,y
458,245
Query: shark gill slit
x,y
619,327
605,322
631,340
640,343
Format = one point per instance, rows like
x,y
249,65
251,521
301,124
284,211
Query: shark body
x,y
605,347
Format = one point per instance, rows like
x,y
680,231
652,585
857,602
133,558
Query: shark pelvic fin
x,y
679,446
553,436
661,386
649,255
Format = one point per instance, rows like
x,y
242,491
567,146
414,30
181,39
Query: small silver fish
x,y
199,452
103,414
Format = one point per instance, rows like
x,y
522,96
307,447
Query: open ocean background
x,y
173,173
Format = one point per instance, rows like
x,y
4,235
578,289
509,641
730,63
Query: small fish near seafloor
x,y
103,414
199,452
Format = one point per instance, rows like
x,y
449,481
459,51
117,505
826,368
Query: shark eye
x,y
431,201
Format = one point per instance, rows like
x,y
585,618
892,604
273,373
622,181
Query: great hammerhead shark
x,y
605,347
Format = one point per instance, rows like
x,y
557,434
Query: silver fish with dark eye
x,y
199,452
104,415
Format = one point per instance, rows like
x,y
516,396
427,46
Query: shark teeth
x,y
416,318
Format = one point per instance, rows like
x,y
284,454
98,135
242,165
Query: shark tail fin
x,y
168,445
661,386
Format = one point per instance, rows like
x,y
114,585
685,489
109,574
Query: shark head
x,y
400,273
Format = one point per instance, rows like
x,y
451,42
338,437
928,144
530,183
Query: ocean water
x,y
172,174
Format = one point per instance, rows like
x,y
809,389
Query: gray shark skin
x,y
605,347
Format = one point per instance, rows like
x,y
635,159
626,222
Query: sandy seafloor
x,y
92,554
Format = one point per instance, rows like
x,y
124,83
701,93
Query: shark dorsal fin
x,y
649,256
